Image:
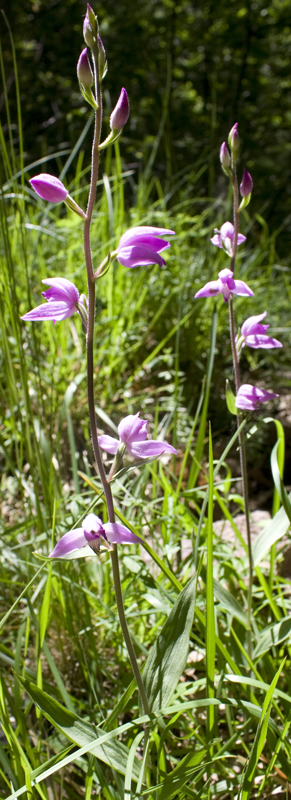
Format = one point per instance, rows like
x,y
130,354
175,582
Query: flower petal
x,y
49,187
133,234
61,289
249,397
209,290
216,239
73,540
251,325
139,256
241,238
108,443
242,288
52,310
132,429
260,340
150,448
119,534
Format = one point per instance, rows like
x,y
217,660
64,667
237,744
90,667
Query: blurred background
x,y
191,70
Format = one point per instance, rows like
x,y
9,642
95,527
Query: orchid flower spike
x,y
132,433
62,301
49,188
93,532
141,246
225,238
254,334
226,285
249,398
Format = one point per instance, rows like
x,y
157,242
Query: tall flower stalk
x,y
248,397
140,246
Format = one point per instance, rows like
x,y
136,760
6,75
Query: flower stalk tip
x,y
234,140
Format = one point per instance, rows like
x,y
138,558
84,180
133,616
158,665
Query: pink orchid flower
x,y
132,433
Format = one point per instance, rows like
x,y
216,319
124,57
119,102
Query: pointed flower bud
x,y
233,139
49,188
101,58
120,113
225,159
246,186
88,31
84,71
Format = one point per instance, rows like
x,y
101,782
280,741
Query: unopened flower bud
x,y
84,71
49,188
101,58
120,113
233,139
88,31
246,186
225,159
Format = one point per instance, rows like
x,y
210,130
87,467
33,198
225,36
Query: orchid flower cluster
x,y
139,246
228,238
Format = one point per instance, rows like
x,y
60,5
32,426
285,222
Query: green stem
x,y
243,464
90,389
242,449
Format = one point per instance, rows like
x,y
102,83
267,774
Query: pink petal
x,y
92,524
150,448
216,239
139,256
241,288
209,290
132,429
241,238
52,310
61,289
251,325
108,443
119,534
73,540
260,340
133,234
49,188
227,231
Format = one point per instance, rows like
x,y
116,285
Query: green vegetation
x,y
68,706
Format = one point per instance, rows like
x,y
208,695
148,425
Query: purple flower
x,y
84,71
93,532
132,433
225,238
49,188
62,298
226,285
246,186
249,398
120,113
254,334
141,246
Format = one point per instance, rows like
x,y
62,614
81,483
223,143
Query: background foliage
x,y
191,71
